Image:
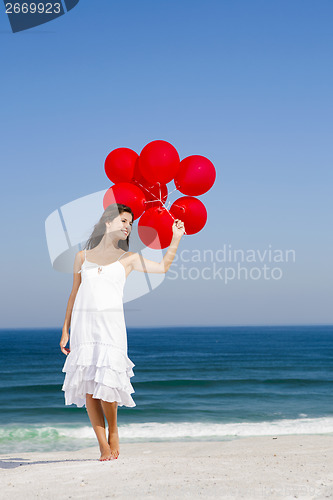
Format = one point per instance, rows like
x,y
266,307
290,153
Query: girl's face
x,y
121,224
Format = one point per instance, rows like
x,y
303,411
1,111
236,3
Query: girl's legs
x,y
96,416
110,411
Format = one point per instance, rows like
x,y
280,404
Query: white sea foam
x,y
200,430
66,437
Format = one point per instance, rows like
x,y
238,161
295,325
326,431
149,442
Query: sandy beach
x,y
255,467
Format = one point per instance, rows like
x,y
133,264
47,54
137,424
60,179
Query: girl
x,y
97,368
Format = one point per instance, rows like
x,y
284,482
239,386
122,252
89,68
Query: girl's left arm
x,y
144,265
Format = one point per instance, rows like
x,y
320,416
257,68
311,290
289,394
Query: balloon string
x,y
182,208
151,201
160,199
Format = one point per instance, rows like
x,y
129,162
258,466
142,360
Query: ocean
x,y
191,383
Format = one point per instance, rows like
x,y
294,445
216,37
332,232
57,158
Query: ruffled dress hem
x,y
102,370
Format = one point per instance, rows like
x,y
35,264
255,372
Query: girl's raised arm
x,y
139,263
76,283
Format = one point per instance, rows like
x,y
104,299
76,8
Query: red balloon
x,y
155,228
195,176
159,162
156,194
127,194
137,176
119,164
191,211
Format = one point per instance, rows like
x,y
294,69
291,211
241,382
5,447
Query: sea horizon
x,y
196,325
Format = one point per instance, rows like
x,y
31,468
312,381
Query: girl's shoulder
x,y
128,256
132,255
78,261
80,256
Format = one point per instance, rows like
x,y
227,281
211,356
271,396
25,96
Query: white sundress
x,y
97,363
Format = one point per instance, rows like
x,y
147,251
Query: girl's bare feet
x,y
114,443
105,453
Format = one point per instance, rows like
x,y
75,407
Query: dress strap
x,y
121,255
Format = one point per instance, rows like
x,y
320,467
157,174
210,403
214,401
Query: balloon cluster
x,y
140,183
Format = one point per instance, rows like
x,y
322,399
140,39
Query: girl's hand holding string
x,y
178,228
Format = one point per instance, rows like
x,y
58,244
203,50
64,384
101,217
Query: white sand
x,y
253,468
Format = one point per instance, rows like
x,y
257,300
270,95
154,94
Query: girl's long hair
x,y
110,213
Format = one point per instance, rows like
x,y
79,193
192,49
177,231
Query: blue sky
x,y
247,84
